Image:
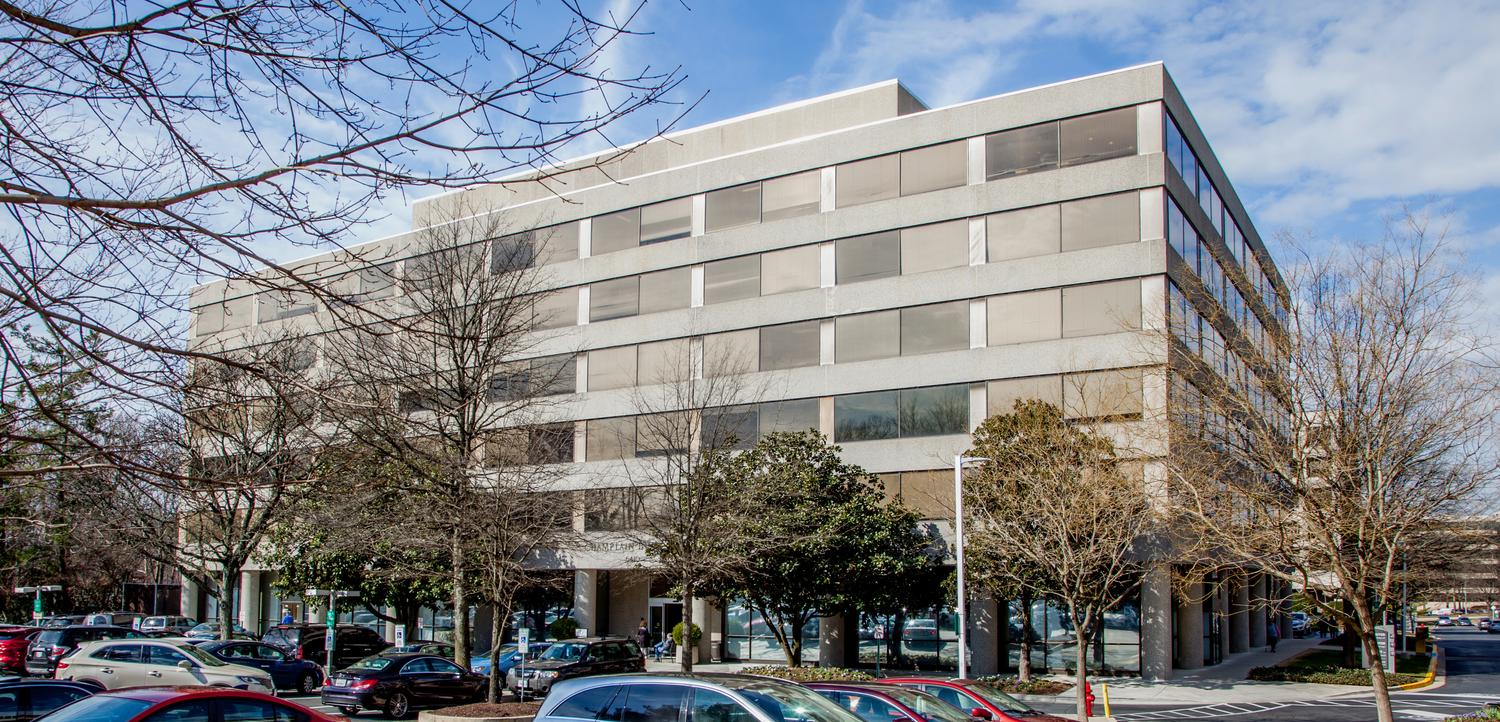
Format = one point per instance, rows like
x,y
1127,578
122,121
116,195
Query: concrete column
x,y
1258,611
250,601
831,633
585,598
1222,608
705,615
985,624
1239,619
1156,624
1190,628
188,607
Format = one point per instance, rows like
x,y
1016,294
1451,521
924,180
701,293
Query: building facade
x,y
892,274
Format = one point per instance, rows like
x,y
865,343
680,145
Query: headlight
x,y
247,679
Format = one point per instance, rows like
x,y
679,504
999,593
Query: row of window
x,y
1199,336
1199,258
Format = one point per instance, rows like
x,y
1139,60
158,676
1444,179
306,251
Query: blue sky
x,y
1328,117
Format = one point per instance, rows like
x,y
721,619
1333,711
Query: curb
x,y
1432,678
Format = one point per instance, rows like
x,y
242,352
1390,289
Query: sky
x,y
1329,118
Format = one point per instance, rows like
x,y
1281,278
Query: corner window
x,y
1098,137
867,181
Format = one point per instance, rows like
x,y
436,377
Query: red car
x,y
185,704
13,644
874,702
978,699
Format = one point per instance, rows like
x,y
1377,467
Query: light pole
x,y
958,537
36,607
334,595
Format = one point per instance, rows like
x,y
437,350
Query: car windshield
x,y
566,651
793,703
994,696
370,664
926,705
51,636
99,709
204,658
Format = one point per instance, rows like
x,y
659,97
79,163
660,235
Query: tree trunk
x,y
498,616
460,603
685,650
227,612
1023,665
1366,625
1350,639
1082,654
794,650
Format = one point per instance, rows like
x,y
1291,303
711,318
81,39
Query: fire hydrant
x,y
1088,699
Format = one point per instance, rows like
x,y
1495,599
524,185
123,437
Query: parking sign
x,y
523,640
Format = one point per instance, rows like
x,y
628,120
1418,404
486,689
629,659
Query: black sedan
x,y
286,672
27,699
399,683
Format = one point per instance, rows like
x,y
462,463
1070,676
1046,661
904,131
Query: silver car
x,y
708,697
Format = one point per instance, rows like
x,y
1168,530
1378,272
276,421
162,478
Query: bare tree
x,y
158,145
1055,500
1371,422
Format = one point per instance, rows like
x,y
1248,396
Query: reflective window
x,y
791,196
863,417
614,299
591,703
666,290
867,336
377,282
612,368
610,438
513,253
934,328
1098,136
732,207
789,416
1023,233
550,443
615,231
736,427
1103,394
1024,317
663,362
254,710
286,303
1023,150
791,269
728,354
711,706
1101,308
930,493
1002,395
667,220
190,711
934,411
934,167
1102,221
664,433
556,309
933,247
865,258
553,375
867,181
652,703
789,345
731,279
555,244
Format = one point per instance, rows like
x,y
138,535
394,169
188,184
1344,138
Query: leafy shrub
x,y
811,674
677,634
563,628
1011,684
1326,674
1490,713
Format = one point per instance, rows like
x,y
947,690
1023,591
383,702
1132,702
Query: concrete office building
x,y
898,273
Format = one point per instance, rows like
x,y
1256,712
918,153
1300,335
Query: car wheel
x,y
398,706
351,711
308,683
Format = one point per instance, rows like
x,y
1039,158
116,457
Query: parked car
x,y
577,658
707,698
1299,624
399,683
184,704
28,699
14,642
1465,622
889,703
510,657
1445,621
176,624
53,644
423,646
305,641
1483,624
60,620
210,630
136,662
976,698
920,630
118,619
286,672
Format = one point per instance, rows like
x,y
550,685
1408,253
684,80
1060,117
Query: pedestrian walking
x,y
1273,635
643,636
286,616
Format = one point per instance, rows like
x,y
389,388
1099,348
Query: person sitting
x,y
664,648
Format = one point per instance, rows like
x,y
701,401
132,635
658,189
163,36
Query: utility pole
x,y
958,540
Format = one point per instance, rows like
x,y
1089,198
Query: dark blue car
x,y
286,672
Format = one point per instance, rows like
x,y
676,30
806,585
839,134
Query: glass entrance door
x,y
665,614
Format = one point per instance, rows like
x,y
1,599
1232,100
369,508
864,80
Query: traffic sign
x,y
523,640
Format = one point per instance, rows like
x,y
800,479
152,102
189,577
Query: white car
x,y
116,663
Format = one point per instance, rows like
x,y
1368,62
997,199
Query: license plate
x,y
523,684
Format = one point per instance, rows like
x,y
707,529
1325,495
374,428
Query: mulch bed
x,y
499,709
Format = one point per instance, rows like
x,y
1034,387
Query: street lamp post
x,y
334,595
36,607
958,537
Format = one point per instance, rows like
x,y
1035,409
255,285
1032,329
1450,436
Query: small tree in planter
x,y
563,628
696,636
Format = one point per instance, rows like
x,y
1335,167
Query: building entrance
x,y
664,615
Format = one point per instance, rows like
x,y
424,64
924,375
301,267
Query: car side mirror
x,y
979,712
184,664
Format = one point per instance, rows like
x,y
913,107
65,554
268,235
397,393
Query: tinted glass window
x,y
103,709
614,299
612,368
865,258
590,704
1098,136
610,438
513,253
119,653
1102,394
46,699
663,362
195,711
711,706
1002,395
10,705
557,309
666,290
730,428
727,354
652,703
254,710
791,196
936,410
1023,233
1023,150
934,167
731,279
1102,221
939,327
933,247
861,417
789,345
867,336
417,666
667,220
1101,308
1023,317
866,181
164,655
556,244
789,416
615,232
792,269
732,207
951,696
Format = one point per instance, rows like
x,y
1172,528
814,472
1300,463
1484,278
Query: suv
x,y
52,644
113,664
305,641
168,624
118,619
577,658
